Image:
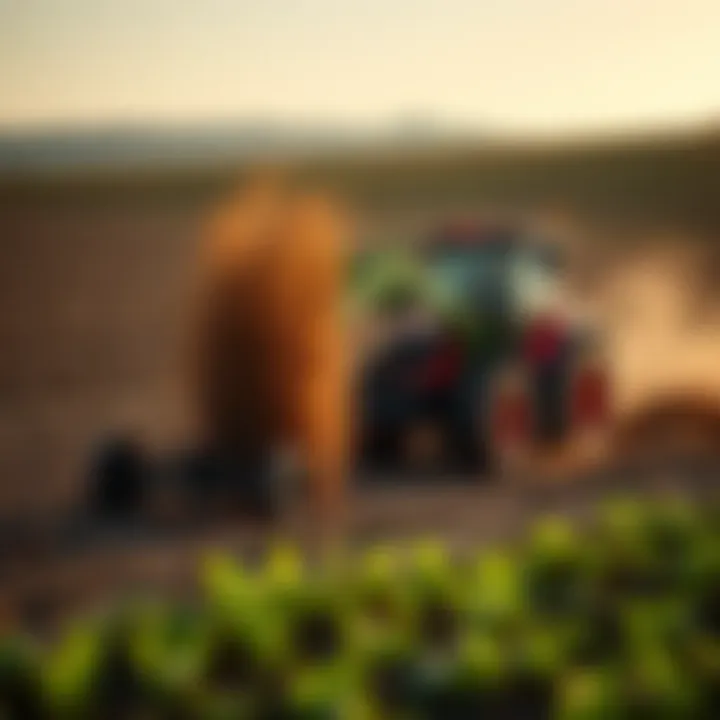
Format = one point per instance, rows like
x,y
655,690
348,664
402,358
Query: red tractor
x,y
486,367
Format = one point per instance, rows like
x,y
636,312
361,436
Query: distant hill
x,y
166,147
669,178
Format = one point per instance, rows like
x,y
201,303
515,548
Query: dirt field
x,y
92,305
93,298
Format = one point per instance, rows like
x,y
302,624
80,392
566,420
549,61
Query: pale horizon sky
x,y
511,65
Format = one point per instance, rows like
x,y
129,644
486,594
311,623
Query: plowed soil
x,y
92,307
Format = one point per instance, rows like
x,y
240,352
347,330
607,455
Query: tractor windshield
x,y
500,279
535,280
474,276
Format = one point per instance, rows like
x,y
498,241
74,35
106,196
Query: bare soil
x,y
93,300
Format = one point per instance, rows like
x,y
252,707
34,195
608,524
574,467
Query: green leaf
x,y
589,695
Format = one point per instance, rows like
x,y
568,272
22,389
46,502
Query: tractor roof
x,y
473,233
501,234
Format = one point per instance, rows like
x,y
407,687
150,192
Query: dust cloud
x,y
659,308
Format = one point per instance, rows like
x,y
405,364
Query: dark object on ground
x,y
118,479
125,481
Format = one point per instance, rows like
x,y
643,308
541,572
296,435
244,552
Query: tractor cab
x,y
498,273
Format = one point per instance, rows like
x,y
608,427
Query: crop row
x,y
620,620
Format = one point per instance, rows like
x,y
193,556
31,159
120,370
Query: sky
x,y
513,65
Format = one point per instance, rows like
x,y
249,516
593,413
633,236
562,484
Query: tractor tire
x,y
465,438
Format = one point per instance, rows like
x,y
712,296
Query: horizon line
x,y
430,125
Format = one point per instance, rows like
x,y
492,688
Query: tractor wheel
x,y
467,440
467,450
